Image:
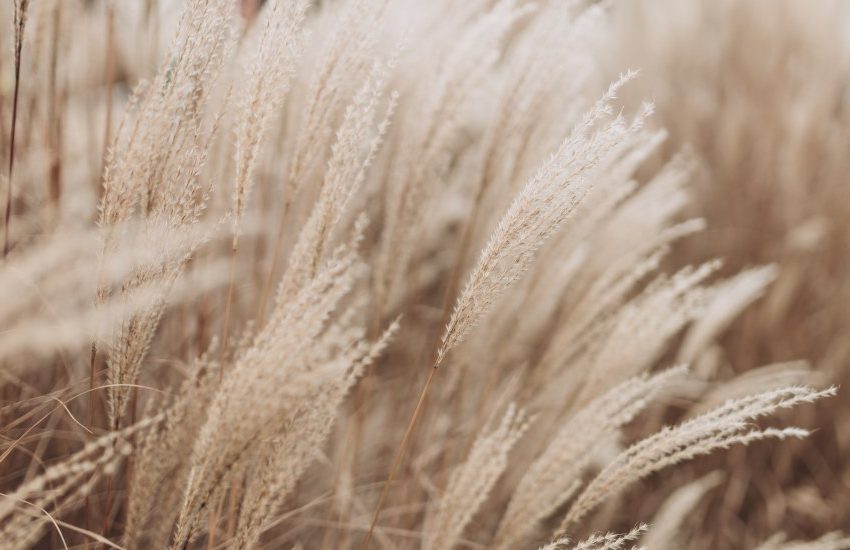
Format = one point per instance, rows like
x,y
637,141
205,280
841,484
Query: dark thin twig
x,y
20,22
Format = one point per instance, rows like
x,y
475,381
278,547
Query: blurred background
x,y
759,90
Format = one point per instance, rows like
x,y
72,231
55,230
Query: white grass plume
x,y
726,425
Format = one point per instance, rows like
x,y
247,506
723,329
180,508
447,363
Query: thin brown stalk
x,y
54,120
399,455
20,23
91,408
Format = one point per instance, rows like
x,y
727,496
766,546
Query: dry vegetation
x,y
405,274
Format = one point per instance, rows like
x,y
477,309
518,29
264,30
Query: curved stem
x,y
399,454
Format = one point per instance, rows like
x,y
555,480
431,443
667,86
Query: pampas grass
x,y
357,273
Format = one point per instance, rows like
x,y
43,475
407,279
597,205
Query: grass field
x,y
349,274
